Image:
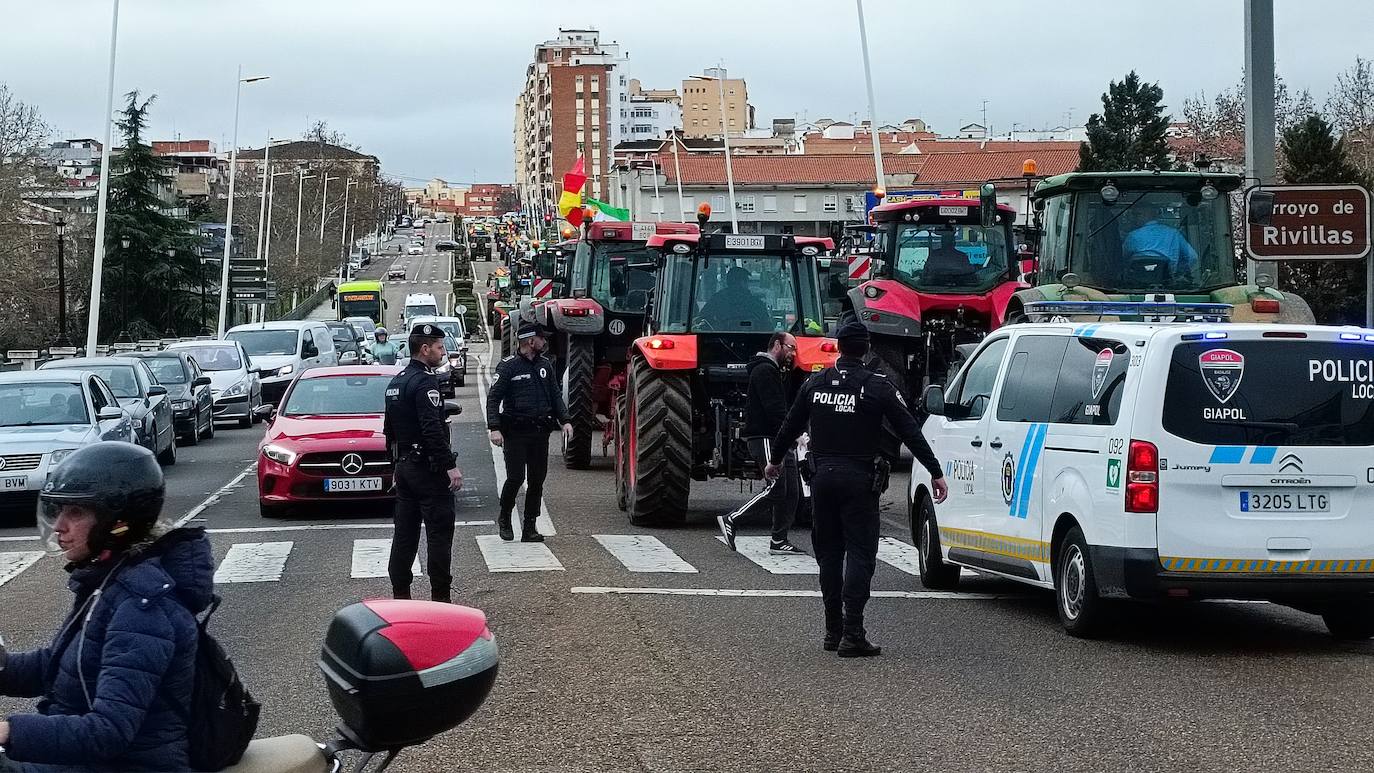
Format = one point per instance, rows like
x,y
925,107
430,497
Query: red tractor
x,y
596,319
718,299
947,268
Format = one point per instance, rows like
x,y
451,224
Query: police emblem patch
x,y
434,398
1008,478
543,373
1221,371
1101,366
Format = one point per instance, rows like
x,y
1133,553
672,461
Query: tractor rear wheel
x,y
658,439
577,452
622,465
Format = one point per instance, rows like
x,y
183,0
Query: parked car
x,y
235,386
45,415
139,394
193,405
324,442
284,348
348,342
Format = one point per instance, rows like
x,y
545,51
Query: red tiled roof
x,y
786,170
978,167
992,146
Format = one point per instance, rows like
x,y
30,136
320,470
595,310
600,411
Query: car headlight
x,y
136,421
239,388
181,405
279,454
59,454
444,368
285,370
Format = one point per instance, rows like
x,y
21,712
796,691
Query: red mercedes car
x,y
324,442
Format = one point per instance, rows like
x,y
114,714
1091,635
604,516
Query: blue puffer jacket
x,y
137,659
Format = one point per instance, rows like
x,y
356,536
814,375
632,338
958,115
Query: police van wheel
x,y
1351,620
658,446
1075,587
577,452
935,573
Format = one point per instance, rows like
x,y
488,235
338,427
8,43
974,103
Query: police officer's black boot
x,y
855,642
504,525
834,631
529,532
442,595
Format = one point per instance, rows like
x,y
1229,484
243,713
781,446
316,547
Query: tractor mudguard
x,y
668,352
575,316
887,307
815,354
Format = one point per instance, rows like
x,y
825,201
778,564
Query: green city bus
x,y
360,299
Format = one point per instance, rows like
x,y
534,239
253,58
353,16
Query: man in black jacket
x,y
765,409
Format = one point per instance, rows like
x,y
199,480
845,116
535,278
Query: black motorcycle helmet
x,y
120,482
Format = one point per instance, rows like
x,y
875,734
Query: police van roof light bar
x,y
1212,312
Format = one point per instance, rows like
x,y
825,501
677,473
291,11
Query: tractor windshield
x,y
734,293
946,257
1148,241
623,276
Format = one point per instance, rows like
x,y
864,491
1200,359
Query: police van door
x,y
959,439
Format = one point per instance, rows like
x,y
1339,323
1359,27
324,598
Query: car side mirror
x,y
254,369
452,408
157,390
201,381
987,205
266,411
109,413
933,400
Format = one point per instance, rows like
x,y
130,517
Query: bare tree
x,y
1350,108
25,237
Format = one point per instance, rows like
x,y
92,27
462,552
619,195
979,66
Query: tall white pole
x,y
324,205
98,264
880,187
266,176
658,204
300,201
729,166
343,232
677,170
229,214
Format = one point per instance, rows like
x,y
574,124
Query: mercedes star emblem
x,y
352,464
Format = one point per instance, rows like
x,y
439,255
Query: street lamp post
x,y
300,202
725,142
229,216
124,291
324,205
267,232
98,259
62,339
343,232
880,185
171,330
262,206
201,327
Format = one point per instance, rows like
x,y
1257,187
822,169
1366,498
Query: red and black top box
x,y
401,672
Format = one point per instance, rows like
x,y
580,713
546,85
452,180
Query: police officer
x,y
524,405
844,407
427,473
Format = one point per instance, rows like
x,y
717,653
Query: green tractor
x,y
1112,239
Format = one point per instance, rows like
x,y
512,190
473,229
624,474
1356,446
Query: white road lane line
x,y
325,527
12,564
642,553
502,556
215,497
370,558
253,562
31,538
788,594
498,461
756,549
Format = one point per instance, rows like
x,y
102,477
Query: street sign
x,y
1307,222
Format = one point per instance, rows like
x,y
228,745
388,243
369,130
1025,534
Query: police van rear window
x,y
1292,393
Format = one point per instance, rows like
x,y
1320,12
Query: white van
x,y
283,349
418,305
1180,461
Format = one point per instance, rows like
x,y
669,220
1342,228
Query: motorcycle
x,y
398,674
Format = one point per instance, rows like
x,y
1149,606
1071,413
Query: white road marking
x,y
11,564
903,557
370,557
215,497
498,460
19,539
253,562
642,553
325,527
789,594
756,549
502,556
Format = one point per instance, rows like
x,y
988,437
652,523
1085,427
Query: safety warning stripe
x,y
996,544
1249,566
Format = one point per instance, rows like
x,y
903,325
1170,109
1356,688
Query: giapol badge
x,y
1222,370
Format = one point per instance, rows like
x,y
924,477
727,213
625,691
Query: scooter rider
x,y
844,407
383,350
117,677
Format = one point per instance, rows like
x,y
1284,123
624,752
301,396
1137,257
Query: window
x,y
746,203
689,203
657,207
1031,376
695,122
969,397
718,203
1091,379
830,203
945,257
770,203
799,202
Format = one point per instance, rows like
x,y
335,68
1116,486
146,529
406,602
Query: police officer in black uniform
x,y
524,405
427,473
844,407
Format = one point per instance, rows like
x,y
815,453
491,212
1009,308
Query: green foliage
x,y
1313,155
1129,133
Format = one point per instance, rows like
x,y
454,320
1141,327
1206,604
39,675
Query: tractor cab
x,y
1144,237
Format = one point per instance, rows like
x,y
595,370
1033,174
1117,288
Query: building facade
x,y
654,113
701,104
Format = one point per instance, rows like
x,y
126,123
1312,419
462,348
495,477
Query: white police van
x,y
1139,460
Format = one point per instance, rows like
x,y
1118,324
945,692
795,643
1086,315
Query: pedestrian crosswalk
x,y
271,561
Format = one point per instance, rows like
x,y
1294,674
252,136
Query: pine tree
x,y
1312,154
146,293
1129,133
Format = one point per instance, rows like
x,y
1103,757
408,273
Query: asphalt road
x,y
720,667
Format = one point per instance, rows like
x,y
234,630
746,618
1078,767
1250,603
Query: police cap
x,y
852,331
528,330
426,330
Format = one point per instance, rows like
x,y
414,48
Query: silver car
x,y
234,383
45,415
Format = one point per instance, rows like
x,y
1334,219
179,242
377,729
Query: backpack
x,y
222,716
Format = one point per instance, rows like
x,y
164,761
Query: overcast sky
x,y
429,87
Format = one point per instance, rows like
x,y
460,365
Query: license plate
x,y
341,485
737,242
953,211
14,484
1285,501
